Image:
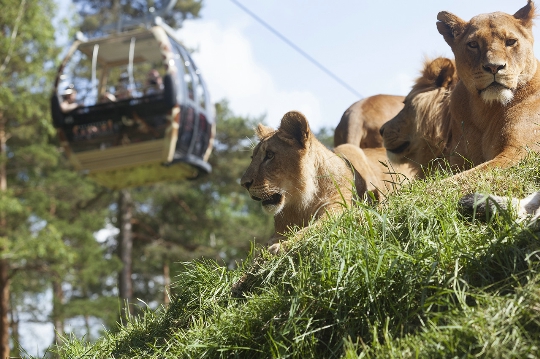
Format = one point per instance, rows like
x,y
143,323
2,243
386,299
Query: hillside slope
x,y
411,278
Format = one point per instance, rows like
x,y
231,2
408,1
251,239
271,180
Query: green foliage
x,y
326,136
410,278
50,212
24,50
96,13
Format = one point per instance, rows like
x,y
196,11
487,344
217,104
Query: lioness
x,y
419,134
361,122
495,108
297,179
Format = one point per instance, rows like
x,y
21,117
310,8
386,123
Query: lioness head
x,y
417,134
494,52
278,174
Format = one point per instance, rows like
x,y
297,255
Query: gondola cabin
x,y
132,109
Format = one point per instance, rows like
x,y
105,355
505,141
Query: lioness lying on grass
x,y
491,116
495,108
297,179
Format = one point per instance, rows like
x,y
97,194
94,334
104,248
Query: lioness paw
x,y
474,203
274,248
277,248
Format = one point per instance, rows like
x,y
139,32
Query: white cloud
x,y
225,57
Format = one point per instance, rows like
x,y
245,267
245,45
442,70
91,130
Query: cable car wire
x,y
298,49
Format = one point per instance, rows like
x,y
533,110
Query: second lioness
x,y
420,133
297,179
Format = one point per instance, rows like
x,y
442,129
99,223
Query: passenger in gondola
x,y
154,83
122,89
69,98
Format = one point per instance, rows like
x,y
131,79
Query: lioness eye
x,y
472,44
269,155
511,42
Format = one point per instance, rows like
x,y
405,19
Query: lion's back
x,y
361,122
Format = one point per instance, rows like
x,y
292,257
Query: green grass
x,y
409,279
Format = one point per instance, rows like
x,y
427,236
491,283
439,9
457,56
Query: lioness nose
x,y
493,68
247,184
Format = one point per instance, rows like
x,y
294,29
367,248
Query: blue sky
x,y
375,46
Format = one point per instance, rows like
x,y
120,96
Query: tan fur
x,y
420,133
361,122
298,179
495,108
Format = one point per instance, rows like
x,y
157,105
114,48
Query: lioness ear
x,y
526,14
441,71
263,131
450,26
294,124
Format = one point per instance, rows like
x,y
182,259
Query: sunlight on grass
x,y
409,278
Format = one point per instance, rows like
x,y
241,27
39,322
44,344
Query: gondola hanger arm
x,y
140,20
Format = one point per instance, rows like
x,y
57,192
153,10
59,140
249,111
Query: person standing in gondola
x,y
69,98
154,83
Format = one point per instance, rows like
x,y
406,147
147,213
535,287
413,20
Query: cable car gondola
x,y
131,108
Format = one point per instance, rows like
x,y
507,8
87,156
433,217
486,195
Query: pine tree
x,y
26,54
48,213
96,13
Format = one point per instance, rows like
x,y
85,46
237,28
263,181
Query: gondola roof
x,y
113,48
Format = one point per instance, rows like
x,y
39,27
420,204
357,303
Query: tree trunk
x,y
167,283
125,247
4,308
14,325
87,319
3,159
87,326
4,264
58,301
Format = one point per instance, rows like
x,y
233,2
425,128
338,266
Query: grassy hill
x,y
410,279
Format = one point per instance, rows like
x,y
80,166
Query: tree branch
x,y
93,200
185,206
13,36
